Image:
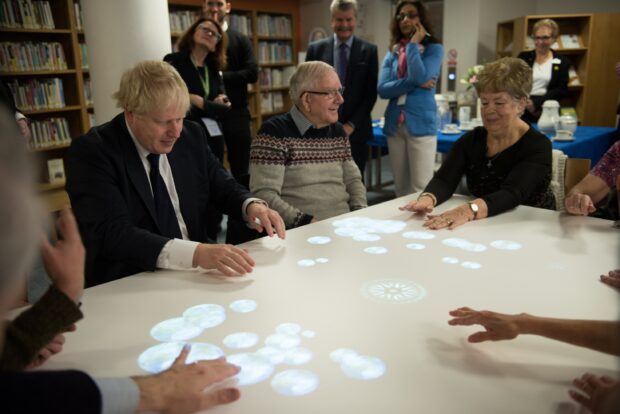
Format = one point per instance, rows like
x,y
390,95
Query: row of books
x,y
241,23
273,77
36,94
275,52
50,132
26,14
79,21
84,55
30,56
271,102
88,94
180,21
268,25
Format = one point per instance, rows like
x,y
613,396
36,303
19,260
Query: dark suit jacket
x,y
241,68
558,85
183,64
360,88
112,200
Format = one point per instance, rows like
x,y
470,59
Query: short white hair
x,y
306,77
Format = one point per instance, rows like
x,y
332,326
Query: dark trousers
x,y
214,216
236,128
359,151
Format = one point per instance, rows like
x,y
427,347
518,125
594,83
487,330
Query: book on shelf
x,y
88,95
269,25
91,120
31,56
84,55
26,14
180,21
79,22
50,132
56,170
570,41
37,94
278,101
266,102
241,23
275,52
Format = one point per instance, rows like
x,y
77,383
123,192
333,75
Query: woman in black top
x,y
506,162
200,60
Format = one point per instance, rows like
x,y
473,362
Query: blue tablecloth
x,y
590,142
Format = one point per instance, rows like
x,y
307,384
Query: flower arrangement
x,y
472,76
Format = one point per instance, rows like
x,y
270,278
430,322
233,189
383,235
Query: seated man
x,y
300,162
141,183
179,388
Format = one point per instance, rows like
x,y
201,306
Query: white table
x,y
430,366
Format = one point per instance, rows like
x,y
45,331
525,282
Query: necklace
x,y
493,158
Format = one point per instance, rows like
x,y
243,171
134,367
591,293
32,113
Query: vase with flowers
x,y
470,79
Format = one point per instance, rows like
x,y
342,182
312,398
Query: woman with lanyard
x,y
200,60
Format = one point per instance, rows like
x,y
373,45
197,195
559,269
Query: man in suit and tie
x,y
140,185
356,63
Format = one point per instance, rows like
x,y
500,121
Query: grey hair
x,y
20,212
306,77
343,5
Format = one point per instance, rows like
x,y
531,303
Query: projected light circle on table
x,y
206,315
160,357
321,260
471,265
376,250
203,352
297,356
176,329
362,367
506,245
319,240
393,291
416,246
243,306
306,263
357,226
282,341
464,245
241,340
419,235
349,232
339,354
288,328
295,382
254,368
272,354
367,237
450,260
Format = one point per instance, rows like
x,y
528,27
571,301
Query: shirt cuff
x,y
246,204
118,395
19,115
177,254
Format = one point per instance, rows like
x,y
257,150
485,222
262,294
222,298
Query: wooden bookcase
x,y
74,109
263,37
594,94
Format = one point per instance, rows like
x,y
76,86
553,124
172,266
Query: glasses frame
x,y
209,32
401,16
332,94
542,38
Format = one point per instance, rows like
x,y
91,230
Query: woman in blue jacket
x,y
407,79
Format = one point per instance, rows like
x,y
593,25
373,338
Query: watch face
x,y
474,207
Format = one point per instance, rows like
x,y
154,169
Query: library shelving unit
x,y
44,73
588,41
272,28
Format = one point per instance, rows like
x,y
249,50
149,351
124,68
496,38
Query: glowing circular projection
x,y
376,250
348,232
241,340
306,263
254,368
393,291
416,246
297,356
205,316
464,245
339,354
203,352
367,237
357,226
471,265
362,367
506,245
282,341
176,329
321,260
319,240
308,334
271,353
450,260
389,226
295,382
288,328
419,235
243,306
160,357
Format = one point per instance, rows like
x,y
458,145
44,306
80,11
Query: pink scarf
x,y
402,70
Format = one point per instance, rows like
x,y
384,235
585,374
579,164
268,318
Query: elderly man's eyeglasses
x,y
542,38
210,33
331,94
402,16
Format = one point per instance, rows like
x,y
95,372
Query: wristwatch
x,y
474,208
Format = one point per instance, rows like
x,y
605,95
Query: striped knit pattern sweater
x,y
305,177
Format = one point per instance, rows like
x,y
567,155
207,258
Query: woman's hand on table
x,y
450,219
497,326
579,204
422,205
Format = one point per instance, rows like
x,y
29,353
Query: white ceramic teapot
x,y
550,118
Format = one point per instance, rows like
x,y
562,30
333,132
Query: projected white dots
x,y
376,250
465,245
321,260
471,265
365,237
176,329
295,382
273,354
365,229
283,341
241,340
357,366
319,240
450,260
312,262
416,246
243,306
288,328
160,357
418,235
205,316
203,352
254,368
394,291
505,245
297,356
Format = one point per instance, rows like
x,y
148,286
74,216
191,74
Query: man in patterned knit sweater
x,y
300,162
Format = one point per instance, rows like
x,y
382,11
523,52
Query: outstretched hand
x,y
612,278
594,391
268,221
497,326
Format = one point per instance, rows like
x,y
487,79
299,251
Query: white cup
x,y
563,134
464,114
451,127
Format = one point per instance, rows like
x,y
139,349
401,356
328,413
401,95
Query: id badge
x,y
401,100
212,127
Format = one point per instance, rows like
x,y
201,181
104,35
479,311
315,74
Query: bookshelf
x,y
40,61
272,29
586,40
